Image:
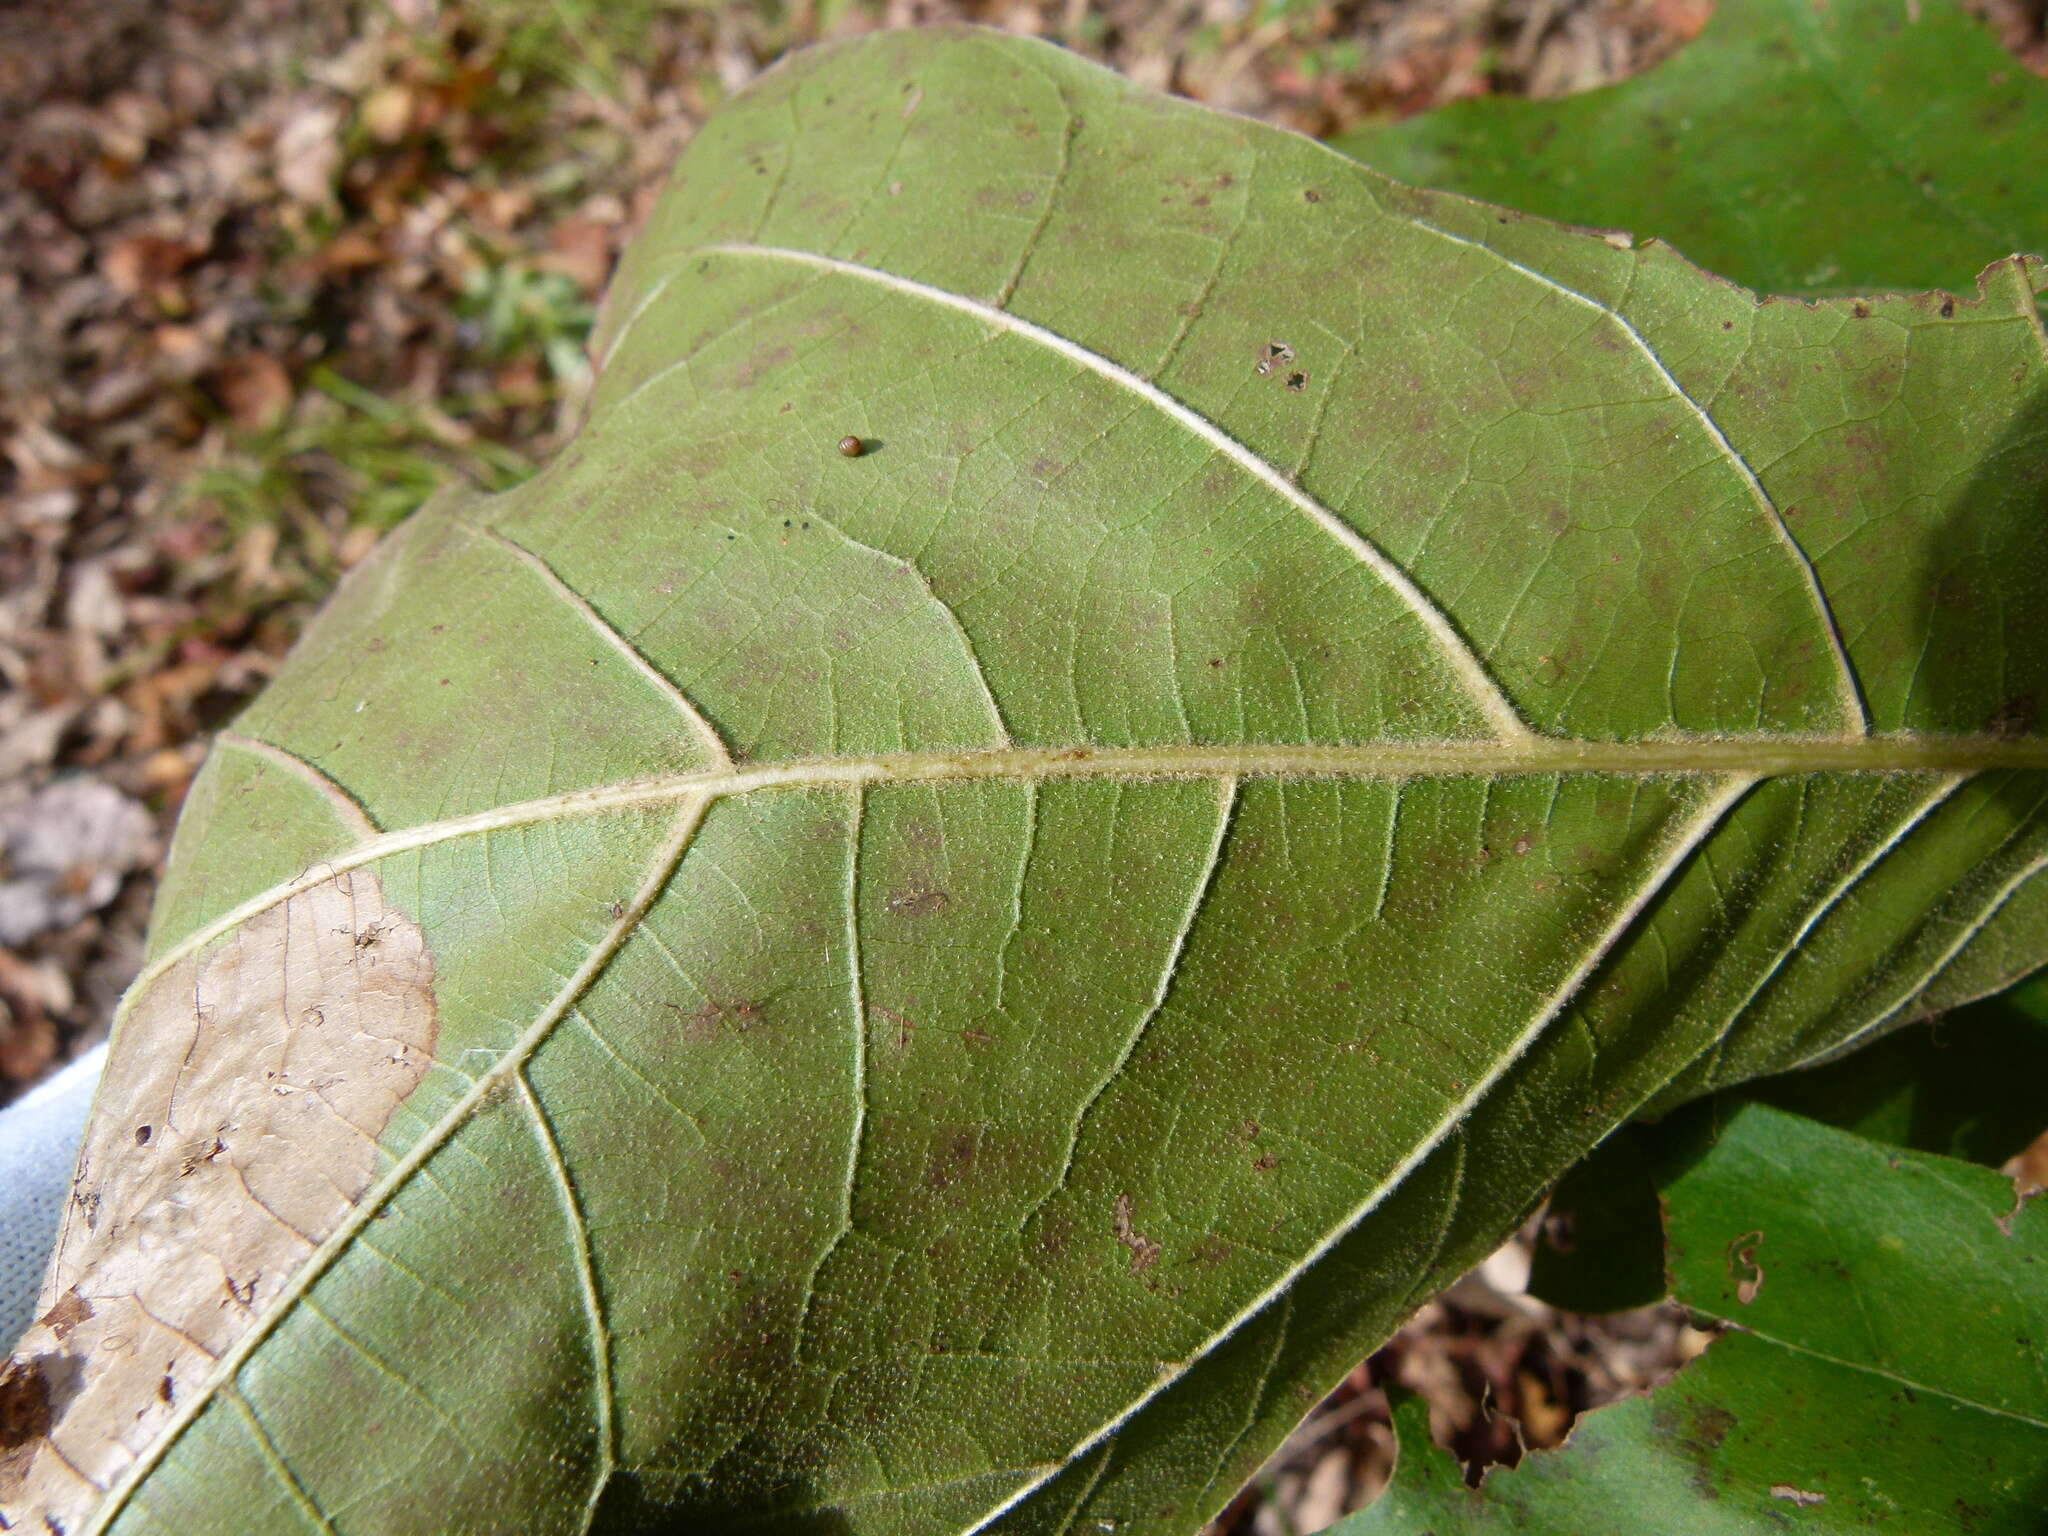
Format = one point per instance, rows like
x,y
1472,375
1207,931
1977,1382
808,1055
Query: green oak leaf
x,y
957,987
1793,148
1888,1368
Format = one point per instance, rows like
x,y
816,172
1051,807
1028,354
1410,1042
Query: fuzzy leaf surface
x,y
957,987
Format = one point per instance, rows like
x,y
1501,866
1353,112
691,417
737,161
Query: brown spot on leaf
x,y
2015,717
918,903
711,1018
24,1403
749,373
1274,354
1053,1233
953,1158
71,1310
1710,1425
905,1025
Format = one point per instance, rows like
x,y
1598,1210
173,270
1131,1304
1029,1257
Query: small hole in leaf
x,y
142,1135
1273,355
1297,382
1744,1269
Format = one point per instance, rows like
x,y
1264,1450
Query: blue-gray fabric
x,y
39,1136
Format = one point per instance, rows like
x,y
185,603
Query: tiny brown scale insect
x,y
852,447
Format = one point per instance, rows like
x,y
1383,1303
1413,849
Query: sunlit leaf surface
x,y
742,986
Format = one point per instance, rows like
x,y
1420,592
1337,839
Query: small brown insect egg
x,y
851,447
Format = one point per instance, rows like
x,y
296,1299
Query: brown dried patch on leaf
x,y
265,1067
24,1404
1144,1250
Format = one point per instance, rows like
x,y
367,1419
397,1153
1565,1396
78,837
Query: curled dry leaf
x,y
65,850
307,153
256,391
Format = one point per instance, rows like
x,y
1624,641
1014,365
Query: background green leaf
x,y
1966,1085
1793,148
1887,1370
960,987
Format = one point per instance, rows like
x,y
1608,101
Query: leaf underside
x,y
1794,148
970,981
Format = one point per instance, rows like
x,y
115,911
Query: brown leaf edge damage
x,y
235,1129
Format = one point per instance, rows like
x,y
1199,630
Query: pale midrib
x,y
1753,757
1865,1368
1679,847
1483,690
1740,762
506,1075
2005,892
1849,691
